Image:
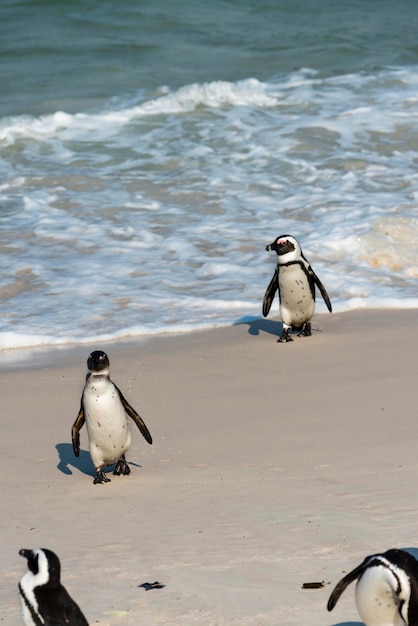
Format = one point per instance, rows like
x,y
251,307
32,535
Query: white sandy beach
x,y
272,465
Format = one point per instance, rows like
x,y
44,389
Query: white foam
x,y
153,217
102,125
216,94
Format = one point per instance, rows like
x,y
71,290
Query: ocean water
x,y
150,150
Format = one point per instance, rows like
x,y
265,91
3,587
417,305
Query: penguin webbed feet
x,y
122,468
100,477
306,330
285,336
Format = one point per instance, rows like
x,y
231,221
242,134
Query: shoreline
x,y
272,465
47,355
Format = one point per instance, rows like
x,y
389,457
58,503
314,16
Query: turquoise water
x,y
149,151
81,52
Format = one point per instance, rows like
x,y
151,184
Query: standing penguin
x,y
386,590
295,281
45,602
104,409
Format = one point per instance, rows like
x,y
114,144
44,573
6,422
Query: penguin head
x,y
286,245
44,565
98,361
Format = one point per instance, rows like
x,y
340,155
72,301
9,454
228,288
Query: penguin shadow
x,y
257,325
68,460
83,463
412,551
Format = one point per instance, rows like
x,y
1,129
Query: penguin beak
x,y
281,245
25,553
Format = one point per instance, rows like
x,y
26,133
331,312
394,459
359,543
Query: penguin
x,y
295,281
386,590
104,409
45,602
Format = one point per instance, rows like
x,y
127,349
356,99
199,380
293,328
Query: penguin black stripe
x,y
380,562
34,615
305,271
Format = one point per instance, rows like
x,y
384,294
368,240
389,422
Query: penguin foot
x,y
306,330
100,478
122,468
285,337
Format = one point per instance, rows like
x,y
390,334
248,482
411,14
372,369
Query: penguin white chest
x,y
297,305
376,598
26,612
27,617
106,422
28,600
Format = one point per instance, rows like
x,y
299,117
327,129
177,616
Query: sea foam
x,y
151,214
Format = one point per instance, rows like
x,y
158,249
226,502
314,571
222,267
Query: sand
x,y
273,465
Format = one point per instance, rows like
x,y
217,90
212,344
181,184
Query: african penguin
x,y
104,409
45,602
386,590
295,281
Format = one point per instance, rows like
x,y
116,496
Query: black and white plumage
x,y
104,410
45,602
386,591
295,281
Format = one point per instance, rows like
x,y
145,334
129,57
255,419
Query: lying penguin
x,y
104,409
295,281
386,590
44,600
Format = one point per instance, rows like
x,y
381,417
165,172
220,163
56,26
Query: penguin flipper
x,y
135,416
344,582
270,293
322,290
75,430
